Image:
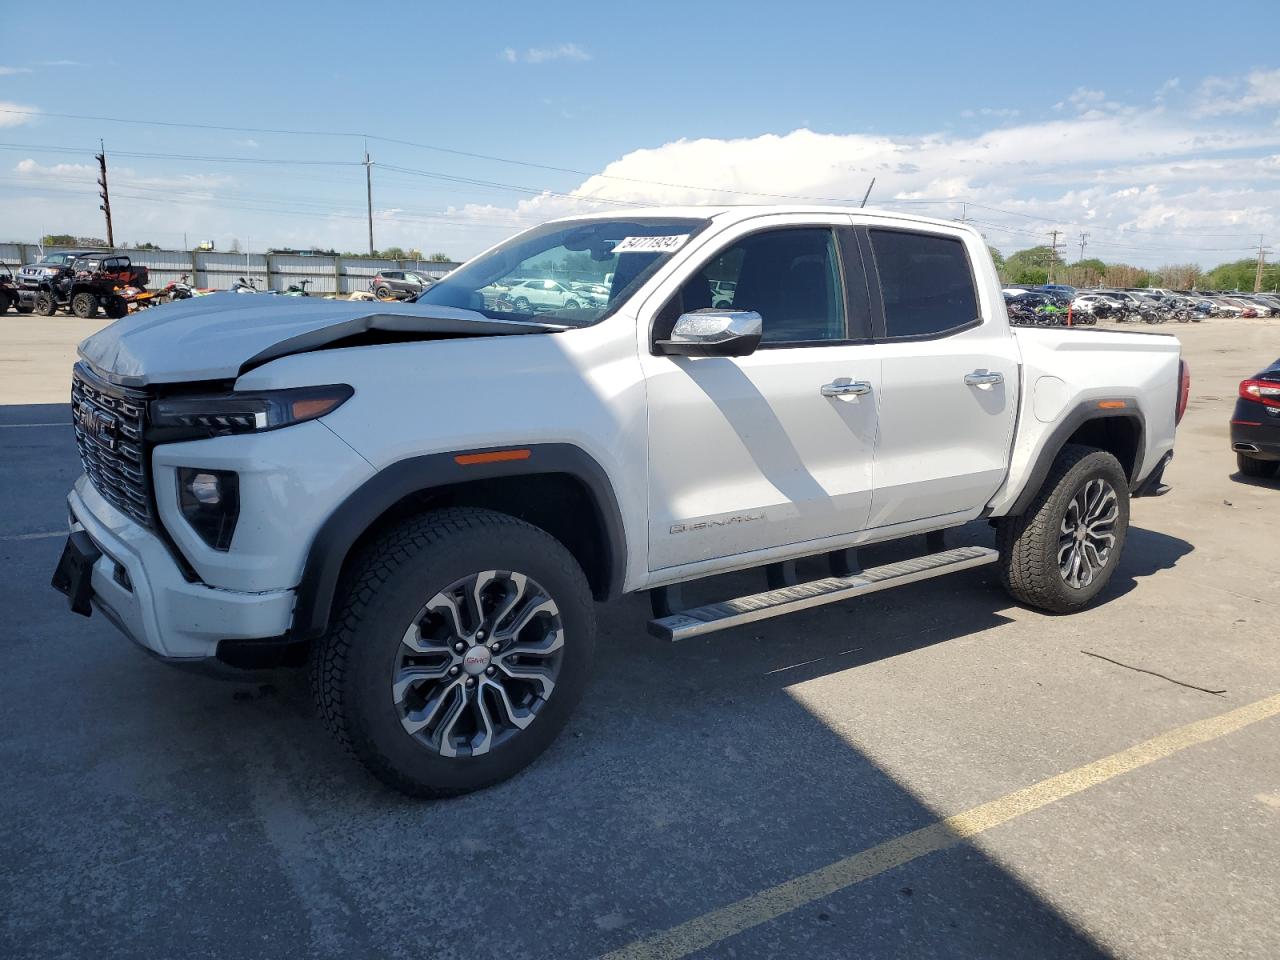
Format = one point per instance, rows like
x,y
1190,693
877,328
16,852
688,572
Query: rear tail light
x,y
1184,390
1265,392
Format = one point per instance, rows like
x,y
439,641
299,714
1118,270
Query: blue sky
x,y
1121,120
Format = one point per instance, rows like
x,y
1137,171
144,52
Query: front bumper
x,y
139,587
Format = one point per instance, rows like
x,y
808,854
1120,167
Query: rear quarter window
x,y
926,283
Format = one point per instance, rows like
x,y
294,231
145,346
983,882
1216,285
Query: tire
x,y
115,308
84,305
382,293
522,305
1032,545
1251,467
6,302
396,589
45,305
571,305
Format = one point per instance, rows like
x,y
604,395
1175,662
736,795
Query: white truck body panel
x,y
715,463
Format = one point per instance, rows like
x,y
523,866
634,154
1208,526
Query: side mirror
x,y
714,333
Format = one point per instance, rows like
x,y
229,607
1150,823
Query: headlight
x,y
210,502
186,418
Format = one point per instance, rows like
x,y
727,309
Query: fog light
x,y
210,502
206,488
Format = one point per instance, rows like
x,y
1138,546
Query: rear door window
x,y
926,283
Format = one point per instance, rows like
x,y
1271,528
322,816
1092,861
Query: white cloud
x,y
10,71
61,63
563,51
16,114
1147,186
997,112
1219,95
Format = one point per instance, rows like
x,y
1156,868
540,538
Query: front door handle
x,y
983,378
856,388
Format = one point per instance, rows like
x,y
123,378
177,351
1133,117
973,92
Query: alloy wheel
x,y
478,663
1088,534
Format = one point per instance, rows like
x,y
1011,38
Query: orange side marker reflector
x,y
1112,404
494,456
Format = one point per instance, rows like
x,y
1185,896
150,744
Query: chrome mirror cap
x,y
714,333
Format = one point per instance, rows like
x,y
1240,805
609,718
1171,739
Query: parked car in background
x,y
1095,305
1061,289
1255,424
1265,306
399,284
533,296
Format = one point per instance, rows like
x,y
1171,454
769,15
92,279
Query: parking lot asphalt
x,y
927,772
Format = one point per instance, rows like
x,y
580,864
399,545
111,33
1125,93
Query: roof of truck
x,y
731,213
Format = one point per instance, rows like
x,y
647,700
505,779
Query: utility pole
x,y
368,193
1262,262
105,206
1053,254
1084,240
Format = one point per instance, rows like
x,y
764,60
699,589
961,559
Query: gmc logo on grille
x,y
98,425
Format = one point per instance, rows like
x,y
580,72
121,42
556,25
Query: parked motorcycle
x,y
298,289
180,289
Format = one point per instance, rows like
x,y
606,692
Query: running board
x,y
774,603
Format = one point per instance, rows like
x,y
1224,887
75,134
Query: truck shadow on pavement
x,y
691,776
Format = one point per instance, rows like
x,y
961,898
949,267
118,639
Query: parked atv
x,y
92,281
9,291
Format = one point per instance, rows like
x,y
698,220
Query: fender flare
x,y
1082,413
353,517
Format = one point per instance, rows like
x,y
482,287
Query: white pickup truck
x,y
423,499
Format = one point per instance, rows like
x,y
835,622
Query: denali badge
x,y
694,525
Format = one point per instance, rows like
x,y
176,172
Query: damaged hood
x,y
220,336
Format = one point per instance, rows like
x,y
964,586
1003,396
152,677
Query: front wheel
x,y
84,305
1061,552
45,306
462,644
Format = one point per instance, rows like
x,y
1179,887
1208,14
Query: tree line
x,y
1031,267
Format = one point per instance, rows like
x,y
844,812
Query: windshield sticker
x,y
650,244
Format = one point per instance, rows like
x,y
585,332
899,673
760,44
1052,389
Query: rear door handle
x,y
982,378
857,388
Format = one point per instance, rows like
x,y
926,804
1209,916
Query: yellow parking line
x,y
775,901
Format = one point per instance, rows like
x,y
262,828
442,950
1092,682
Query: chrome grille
x,y
109,421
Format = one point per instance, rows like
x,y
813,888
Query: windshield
x,y
572,272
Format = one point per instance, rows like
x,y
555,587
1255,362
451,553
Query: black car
x,y
399,284
1255,424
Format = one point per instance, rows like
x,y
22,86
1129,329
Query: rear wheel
x,y
522,305
116,307
84,305
382,293
1252,467
45,305
1060,553
461,645
5,302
